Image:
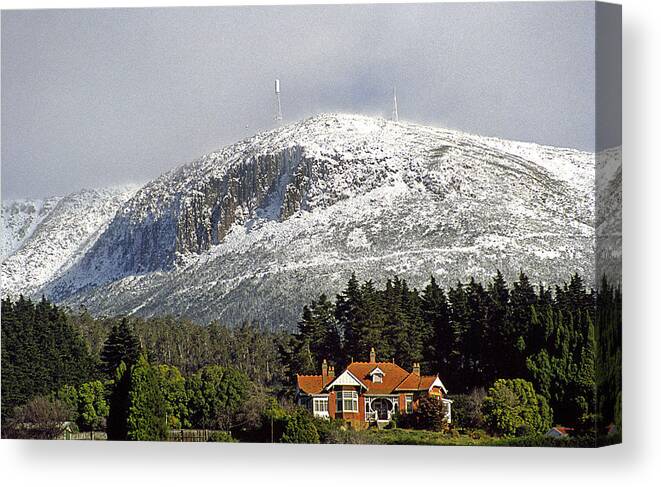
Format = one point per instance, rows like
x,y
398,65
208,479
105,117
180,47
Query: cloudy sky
x,y
103,97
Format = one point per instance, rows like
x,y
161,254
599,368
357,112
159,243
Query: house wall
x,y
401,402
332,406
360,415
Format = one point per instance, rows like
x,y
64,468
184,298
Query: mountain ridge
x,y
233,234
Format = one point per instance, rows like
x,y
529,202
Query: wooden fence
x,y
186,436
189,436
86,435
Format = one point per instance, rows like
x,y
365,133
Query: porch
x,y
381,409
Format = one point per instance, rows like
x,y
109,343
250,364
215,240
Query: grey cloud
x,y
100,97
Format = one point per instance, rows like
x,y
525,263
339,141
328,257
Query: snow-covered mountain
x,y
44,238
20,218
255,230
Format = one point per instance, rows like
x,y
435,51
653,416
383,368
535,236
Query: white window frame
x,y
347,397
408,403
320,406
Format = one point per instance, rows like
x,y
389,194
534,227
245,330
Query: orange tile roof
x,y
310,384
395,379
426,382
411,383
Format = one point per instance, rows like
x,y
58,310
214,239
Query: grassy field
x,y
400,436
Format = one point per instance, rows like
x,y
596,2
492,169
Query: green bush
x,y
217,396
221,437
512,408
146,419
173,386
429,415
300,428
93,408
467,409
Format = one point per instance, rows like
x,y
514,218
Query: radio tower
x,y
395,115
278,107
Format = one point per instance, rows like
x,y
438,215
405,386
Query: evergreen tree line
x,y
473,334
46,349
118,390
249,347
41,352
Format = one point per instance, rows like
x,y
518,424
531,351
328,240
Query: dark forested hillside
x,y
566,341
474,333
41,351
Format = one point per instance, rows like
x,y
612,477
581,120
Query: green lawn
x,y
400,436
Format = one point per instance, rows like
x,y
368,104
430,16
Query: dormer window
x,y
376,375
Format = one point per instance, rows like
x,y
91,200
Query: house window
x,y
347,401
321,405
377,378
409,403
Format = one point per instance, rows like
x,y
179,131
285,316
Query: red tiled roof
x,y
395,379
310,384
415,382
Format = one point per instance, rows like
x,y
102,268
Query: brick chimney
x,y
331,372
324,372
416,368
372,355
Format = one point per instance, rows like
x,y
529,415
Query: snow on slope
x,y
64,232
20,218
254,230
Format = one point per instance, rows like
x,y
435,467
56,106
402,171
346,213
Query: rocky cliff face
x,y
256,229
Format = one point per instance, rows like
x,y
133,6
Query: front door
x,y
382,407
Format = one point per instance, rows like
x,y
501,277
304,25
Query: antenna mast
x,y
278,107
395,115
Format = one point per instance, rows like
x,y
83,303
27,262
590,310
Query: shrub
x,y
467,409
92,406
217,396
512,408
300,428
173,387
430,414
42,418
221,437
146,419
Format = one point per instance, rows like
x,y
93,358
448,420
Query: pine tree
x,y
347,307
369,321
117,428
121,346
331,338
147,413
495,336
522,299
608,366
41,351
435,313
476,333
459,321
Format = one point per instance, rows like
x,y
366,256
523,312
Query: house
x,y
368,391
559,432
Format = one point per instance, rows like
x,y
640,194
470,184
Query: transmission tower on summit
x,y
395,115
278,107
